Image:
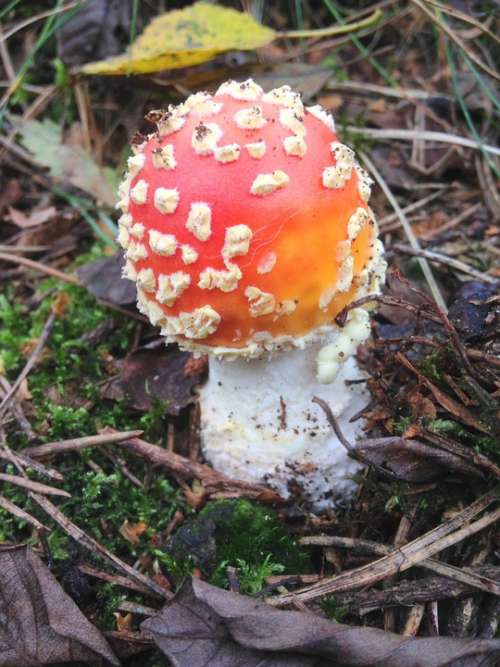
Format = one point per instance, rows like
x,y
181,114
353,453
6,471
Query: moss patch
x,y
234,533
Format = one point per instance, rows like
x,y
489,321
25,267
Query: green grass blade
x,y
360,46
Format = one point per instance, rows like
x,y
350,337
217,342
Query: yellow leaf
x,y
186,37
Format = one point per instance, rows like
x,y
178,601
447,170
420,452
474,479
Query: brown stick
x,y
407,556
93,546
16,409
22,461
76,444
213,481
21,514
33,486
41,268
116,579
446,261
464,576
407,592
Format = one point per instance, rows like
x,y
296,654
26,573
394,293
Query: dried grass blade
x,y
429,276
407,556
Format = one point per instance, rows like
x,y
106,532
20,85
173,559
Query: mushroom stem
x,y
259,424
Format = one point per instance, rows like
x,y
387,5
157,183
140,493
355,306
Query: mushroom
x,y
247,231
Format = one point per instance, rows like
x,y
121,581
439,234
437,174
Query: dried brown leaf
x,y
411,460
39,623
104,280
207,626
160,374
449,404
302,77
32,219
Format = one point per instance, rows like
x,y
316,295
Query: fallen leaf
x,y
97,30
331,101
67,163
207,626
301,77
411,460
379,106
160,374
449,404
39,623
123,622
469,311
132,531
104,279
392,164
186,37
23,393
33,219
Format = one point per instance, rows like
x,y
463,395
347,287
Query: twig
x,y
466,18
116,579
426,135
407,556
38,17
466,453
436,293
16,409
419,311
213,482
488,185
479,355
433,618
373,89
454,37
139,609
23,248
408,592
6,59
413,621
21,514
461,575
447,261
94,547
385,222
76,444
41,268
33,486
22,461
454,222
33,358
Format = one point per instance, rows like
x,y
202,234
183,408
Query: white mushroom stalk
x,y
259,424
247,231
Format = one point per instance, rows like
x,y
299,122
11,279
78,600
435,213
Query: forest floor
x,y
106,506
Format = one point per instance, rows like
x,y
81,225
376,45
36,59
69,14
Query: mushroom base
x,y
258,424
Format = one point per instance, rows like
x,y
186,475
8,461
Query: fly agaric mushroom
x,y
247,230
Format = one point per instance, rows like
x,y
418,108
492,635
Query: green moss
x,y
252,538
333,609
236,533
402,424
67,402
483,444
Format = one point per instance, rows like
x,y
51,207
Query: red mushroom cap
x,y
245,224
